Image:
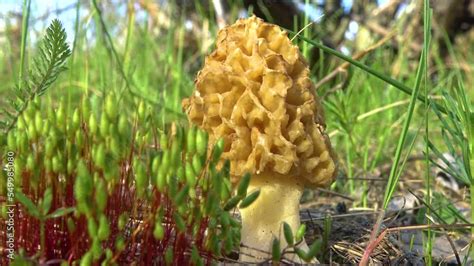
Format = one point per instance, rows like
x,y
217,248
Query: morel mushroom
x,y
255,92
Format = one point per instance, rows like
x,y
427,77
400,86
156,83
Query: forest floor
x,y
400,237
400,232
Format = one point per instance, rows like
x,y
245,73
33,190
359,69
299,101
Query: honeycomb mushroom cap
x,y
255,92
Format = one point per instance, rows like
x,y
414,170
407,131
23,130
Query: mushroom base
x,y
262,221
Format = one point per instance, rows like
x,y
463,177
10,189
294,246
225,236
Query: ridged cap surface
x,y
255,92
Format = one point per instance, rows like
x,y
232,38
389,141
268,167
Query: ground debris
x,y
350,233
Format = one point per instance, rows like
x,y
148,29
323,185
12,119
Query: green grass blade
x,y
24,35
393,179
397,84
427,36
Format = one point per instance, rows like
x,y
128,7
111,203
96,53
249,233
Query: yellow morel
x,y
255,92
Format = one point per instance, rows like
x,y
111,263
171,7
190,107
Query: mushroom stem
x,y
262,221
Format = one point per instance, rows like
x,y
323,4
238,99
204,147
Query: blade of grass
x,y
427,37
130,30
392,180
397,84
265,11
306,32
24,35
113,54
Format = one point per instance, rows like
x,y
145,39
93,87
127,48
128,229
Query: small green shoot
x,y
288,233
276,252
249,199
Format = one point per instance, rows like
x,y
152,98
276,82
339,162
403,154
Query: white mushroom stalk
x,y
262,221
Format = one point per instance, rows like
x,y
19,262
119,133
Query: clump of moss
x,y
119,188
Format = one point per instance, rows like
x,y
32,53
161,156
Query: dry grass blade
x,y
300,31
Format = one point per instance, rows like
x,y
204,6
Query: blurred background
x,y
343,24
